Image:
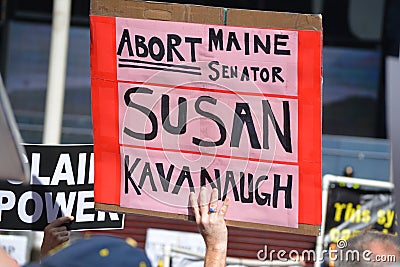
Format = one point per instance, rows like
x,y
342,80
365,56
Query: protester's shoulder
x,y
7,260
99,251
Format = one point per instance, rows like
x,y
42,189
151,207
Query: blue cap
x,y
100,251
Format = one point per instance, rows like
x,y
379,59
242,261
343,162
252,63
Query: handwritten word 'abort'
x,y
169,48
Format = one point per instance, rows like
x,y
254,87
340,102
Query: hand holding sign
x,y
55,234
211,225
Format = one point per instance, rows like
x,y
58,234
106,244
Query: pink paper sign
x,y
158,181
208,105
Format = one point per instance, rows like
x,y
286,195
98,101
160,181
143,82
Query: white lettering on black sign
x,y
61,184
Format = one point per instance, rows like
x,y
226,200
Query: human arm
x,y
211,226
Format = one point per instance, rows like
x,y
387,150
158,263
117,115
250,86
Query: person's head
x,y
98,251
369,249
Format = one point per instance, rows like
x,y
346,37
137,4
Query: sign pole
x,y
56,80
57,72
320,238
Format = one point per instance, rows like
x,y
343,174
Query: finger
x,y
195,206
224,208
62,220
203,201
63,239
60,229
214,199
63,233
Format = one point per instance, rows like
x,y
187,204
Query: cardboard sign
x,y
61,184
179,105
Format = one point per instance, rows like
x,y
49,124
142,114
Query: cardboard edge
x,y
157,11
304,229
276,20
139,9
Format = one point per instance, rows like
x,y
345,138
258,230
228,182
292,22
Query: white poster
x,y
16,246
157,239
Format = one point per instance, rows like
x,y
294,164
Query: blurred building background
x,y
358,35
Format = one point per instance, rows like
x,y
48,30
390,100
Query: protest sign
x,y
350,211
178,105
61,184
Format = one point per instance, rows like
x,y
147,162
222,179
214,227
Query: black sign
x,y
61,183
350,211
